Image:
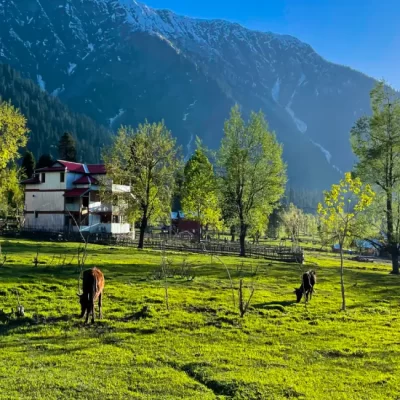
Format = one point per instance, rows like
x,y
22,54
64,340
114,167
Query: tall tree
x,y
340,216
376,142
253,174
11,193
13,136
199,192
147,158
45,160
67,147
13,133
28,164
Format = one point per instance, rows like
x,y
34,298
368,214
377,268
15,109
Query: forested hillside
x,y
48,118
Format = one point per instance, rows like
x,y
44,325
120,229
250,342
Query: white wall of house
x,y
44,201
45,222
52,181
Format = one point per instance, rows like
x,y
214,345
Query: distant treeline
x,y
48,118
306,200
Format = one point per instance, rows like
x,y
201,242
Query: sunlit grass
x,y
200,348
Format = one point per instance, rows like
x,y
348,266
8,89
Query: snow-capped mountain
x,y
121,62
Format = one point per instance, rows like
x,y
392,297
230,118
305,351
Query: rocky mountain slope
x,y
121,62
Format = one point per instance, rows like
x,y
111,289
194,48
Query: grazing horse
x,y
92,287
309,279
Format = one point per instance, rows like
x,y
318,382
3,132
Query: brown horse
x,y
92,287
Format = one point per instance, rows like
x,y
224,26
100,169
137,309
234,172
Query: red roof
x,y
51,169
96,168
75,192
86,180
73,166
31,181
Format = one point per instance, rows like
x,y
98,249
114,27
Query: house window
x,y
95,197
115,219
36,214
43,180
62,177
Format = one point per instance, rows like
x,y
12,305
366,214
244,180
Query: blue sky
x,y
363,34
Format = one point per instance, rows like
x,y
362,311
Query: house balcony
x,y
98,208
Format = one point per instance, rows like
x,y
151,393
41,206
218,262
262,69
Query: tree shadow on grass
x,y
274,305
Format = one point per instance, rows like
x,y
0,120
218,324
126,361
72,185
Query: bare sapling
x,y
243,304
230,279
36,259
20,312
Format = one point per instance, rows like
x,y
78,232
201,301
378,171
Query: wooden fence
x,y
276,253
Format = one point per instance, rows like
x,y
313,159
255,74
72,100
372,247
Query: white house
x,y
66,197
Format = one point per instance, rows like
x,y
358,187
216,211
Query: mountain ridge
x,y
120,62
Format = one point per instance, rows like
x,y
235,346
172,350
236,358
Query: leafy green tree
x,y
45,160
376,142
67,147
13,133
293,219
253,174
28,164
11,193
147,159
259,225
199,192
341,216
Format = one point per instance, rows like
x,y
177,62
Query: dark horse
x,y
309,279
92,288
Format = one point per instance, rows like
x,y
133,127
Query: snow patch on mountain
x,y
301,125
56,92
41,82
71,68
337,169
325,152
275,90
301,80
121,112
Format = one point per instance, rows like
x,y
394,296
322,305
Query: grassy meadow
x,y
200,348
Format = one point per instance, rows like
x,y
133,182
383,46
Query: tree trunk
x,y
393,248
233,233
395,260
243,232
342,279
143,226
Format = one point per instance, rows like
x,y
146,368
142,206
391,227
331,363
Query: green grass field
x,y
200,348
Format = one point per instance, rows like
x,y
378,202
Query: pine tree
x,y
67,147
45,160
28,164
